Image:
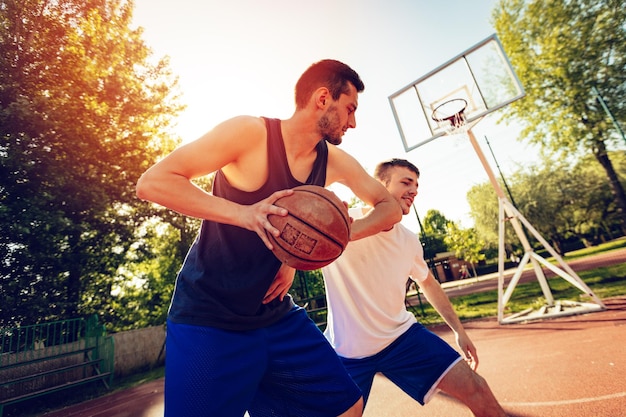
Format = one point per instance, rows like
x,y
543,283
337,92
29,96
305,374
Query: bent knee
x,y
461,379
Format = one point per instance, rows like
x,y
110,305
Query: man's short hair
x,y
329,73
381,173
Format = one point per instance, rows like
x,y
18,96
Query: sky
x,y
244,57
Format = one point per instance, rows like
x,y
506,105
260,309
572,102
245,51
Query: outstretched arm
x,y
440,301
386,212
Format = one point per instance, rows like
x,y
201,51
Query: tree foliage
x,y
566,201
83,112
433,233
550,199
144,284
465,243
565,52
483,203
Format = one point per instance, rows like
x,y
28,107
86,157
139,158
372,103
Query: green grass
x,y
605,282
604,247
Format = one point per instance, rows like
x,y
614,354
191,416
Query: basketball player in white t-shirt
x,y
369,326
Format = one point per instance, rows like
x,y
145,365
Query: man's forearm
x,y
382,217
437,297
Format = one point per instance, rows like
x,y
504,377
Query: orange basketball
x,y
316,230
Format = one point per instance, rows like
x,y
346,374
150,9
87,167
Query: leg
x,y
420,362
210,371
471,389
304,376
362,372
416,361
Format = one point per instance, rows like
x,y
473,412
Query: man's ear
x,y
323,96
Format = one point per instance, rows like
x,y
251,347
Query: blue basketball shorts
x,y
416,362
287,369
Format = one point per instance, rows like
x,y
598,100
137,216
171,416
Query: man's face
x,y
339,117
402,186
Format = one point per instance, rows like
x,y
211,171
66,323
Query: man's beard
x,y
329,126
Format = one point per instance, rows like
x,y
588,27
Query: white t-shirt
x,y
366,290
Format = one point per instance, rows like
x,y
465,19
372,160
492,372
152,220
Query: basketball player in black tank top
x,y
235,339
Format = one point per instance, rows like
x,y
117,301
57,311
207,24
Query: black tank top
x,y
228,269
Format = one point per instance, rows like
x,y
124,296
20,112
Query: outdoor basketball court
x,y
564,365
571,366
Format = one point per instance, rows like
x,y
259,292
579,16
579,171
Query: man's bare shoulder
x,y
244,123
237,134
240,146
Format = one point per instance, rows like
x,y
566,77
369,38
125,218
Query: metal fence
x,y
43,358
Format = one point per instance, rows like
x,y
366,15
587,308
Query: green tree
x,y
465,243
433,233
143,287
597,218
563,52
84,110
565,201
483,203
549,197
145,282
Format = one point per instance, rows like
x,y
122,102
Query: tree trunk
x,y
474,269
557,245
617,189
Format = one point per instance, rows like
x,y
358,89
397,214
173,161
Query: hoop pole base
x,y
561,308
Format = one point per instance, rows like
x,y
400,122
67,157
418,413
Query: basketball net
x,y
450,116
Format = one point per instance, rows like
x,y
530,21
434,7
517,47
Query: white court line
x,y
564,402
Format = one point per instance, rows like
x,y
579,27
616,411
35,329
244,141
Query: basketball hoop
x,y
450,115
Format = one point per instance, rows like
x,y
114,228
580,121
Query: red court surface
x,y
571,366
566,367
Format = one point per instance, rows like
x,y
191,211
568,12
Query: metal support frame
x,y
507,212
